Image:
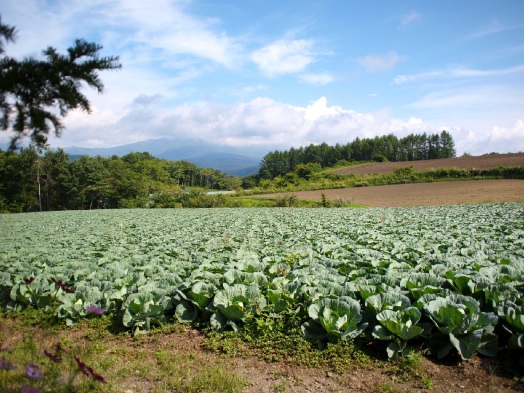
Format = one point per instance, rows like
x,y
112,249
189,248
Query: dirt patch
x,y
479,162
422,194
136,368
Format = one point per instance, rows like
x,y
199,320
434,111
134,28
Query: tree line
x,y
384,148
37,180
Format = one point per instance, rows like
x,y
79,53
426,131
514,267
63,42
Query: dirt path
x,y
423,194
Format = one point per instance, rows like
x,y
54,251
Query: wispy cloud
x,y
146,100
457,72
168,27
375,63
246,90
284,57
495,28
317,79
409,18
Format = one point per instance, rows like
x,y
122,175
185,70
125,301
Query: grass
x,y
177,357
152,363
171,358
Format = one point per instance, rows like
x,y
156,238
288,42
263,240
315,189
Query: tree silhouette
x,y
35,95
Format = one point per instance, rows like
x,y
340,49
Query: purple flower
x,y
33,371
95,309
5,365
6,349
28,280
55,357
27,389
99,378
88,371
65,287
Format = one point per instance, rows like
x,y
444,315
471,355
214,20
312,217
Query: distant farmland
x,y
426,194
479,162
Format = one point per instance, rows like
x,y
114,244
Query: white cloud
x,y
494,28
374,63
317,79
479,100
261,121
457,72
162,29
513,135
409,18
319,109
165,25
245,90
145,100
496,139
284,57
265,122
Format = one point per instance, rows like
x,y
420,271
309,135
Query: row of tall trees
x,y
32,180
384,148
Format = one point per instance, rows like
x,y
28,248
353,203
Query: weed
x,y
409,369
388,387
426,381
215,380
281,339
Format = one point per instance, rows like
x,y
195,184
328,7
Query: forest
x,y
37,180
384,148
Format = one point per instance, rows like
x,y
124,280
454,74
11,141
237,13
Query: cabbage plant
x,y
235,304
398,327
333,320
462,326
143,310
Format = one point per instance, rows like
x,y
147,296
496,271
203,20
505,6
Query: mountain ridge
x,y
238,161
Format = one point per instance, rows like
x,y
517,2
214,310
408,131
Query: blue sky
x,y
290,73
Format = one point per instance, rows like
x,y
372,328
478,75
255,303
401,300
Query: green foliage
x,y
333,320
307,161
379,158
287,201
398,327
308,171
32,182
279,338
462,325
36,94
328,180
513,317
448,278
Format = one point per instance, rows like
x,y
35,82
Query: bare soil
x,y
422,194
426,194
130,357
479,162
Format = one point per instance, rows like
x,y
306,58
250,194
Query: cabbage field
x,y
447,278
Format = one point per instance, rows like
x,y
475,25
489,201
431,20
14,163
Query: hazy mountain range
x,y
239,161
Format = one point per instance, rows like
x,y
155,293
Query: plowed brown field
x,y
480,162
424,194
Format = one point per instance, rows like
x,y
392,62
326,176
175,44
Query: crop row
x,y
449,278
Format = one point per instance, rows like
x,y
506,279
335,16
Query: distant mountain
x,y
238,161
234,164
